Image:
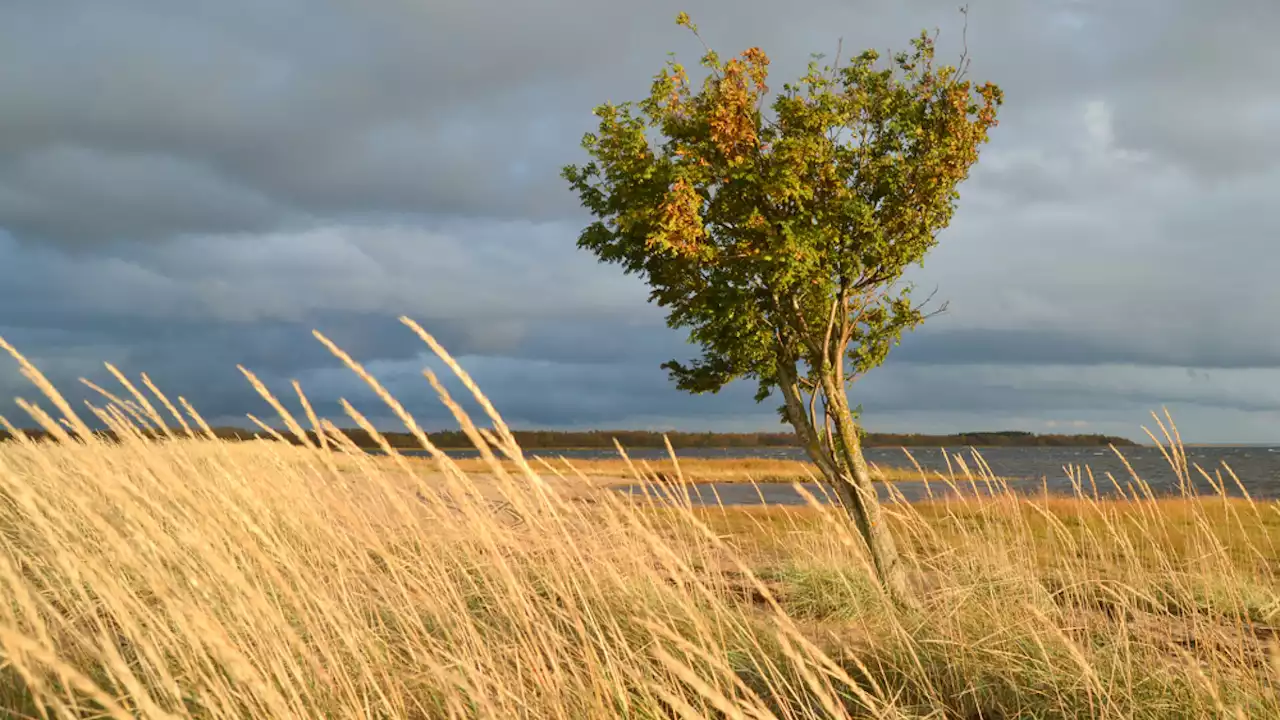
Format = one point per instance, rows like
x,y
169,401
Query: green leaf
x,y
750,222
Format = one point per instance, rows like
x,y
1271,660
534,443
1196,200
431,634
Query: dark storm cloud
x,y
141,120
1031,389
83,196
200,357
310,108
187,187
932,346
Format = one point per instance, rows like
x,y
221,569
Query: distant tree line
x,y
560,440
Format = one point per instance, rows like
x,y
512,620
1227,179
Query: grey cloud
x,y
1048,347
1114,398
335,165
1191,88
82,196
482,274
540,393
332,108
387,107
633,392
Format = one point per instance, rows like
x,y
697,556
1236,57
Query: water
x,y
1029,469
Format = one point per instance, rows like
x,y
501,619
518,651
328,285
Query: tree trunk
x,y
860,494
846,471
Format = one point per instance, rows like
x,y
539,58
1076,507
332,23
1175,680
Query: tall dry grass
x,y
192,578
701,470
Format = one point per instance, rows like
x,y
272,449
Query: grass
x,y
192,578
693,470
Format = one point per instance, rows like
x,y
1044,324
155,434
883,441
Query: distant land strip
x,y
604,439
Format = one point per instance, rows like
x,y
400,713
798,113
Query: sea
x,y
1028,470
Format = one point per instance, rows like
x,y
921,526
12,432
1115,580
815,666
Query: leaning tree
x,y
777,234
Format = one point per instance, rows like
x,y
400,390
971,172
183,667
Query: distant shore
x,y
604,472
555,440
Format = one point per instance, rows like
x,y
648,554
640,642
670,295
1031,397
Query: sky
x,y
187,186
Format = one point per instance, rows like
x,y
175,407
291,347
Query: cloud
x,y
80,195
452,108
185,189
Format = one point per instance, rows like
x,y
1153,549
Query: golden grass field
x,y
191,578
691,470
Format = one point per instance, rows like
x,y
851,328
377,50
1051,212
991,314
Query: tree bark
x,y
862,491
845,470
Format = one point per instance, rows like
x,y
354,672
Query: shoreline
x,y
1018,593
729,448
692,471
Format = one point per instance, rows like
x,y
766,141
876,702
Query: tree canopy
x,y
783,228
778,233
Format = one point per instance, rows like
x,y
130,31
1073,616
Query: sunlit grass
x,y
192,578
699,470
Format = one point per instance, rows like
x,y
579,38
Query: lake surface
x,y
1029,469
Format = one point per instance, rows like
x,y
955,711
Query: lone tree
x,y
778,235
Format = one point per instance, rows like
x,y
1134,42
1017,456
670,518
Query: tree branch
x,y
962,67
836,305
941,309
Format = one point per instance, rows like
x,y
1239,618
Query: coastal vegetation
x,y
196,578
777,231
153,567
624,470
608,440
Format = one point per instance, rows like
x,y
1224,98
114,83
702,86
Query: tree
x,y
778,235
